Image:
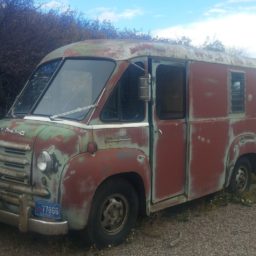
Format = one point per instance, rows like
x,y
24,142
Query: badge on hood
x,y
12,131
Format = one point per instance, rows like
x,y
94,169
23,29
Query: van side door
x,y
169,132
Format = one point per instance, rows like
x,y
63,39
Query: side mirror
x,y
144,88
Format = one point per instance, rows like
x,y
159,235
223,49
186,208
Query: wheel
x,y
113,214
241,177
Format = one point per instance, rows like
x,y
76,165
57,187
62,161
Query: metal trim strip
x,y
13,173
113,126
24,189
15,160
85,126
7,144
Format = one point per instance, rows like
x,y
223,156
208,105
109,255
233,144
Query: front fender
x,y
85,172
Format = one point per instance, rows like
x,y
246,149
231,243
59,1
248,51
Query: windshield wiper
x,y
11,113
54,117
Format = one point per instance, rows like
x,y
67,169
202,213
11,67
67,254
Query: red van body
x,y
69,165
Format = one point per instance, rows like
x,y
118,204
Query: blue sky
x,y
230,21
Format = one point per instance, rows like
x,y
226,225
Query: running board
x,y
168,203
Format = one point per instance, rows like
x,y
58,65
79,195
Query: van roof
x,y
128,49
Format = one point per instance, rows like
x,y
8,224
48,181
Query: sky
x,y
233,22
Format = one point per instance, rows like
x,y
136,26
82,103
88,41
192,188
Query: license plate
x,y
47,210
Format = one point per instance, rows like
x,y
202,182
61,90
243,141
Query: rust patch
x,y
127,49
70,53
144,47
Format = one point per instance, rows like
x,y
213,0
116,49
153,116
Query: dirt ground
x,y
215,225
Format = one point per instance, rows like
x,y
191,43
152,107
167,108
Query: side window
x,y
237,92
170,92
124,104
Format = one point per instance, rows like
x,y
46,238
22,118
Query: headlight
x,y
44,161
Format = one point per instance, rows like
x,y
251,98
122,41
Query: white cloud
x,y
114,15
215,10
233,30
240,1
61,5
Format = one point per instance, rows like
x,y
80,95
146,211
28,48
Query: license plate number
x,y
47,210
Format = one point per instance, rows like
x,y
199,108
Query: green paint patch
x,y
53,132
81,159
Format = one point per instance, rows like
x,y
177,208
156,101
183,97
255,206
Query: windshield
x,y
36,85
77,85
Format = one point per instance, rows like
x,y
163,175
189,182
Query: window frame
x,y
170,116
230,83
116,89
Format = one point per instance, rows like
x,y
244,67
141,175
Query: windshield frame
x,y
60,65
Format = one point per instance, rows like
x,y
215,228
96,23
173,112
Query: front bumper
x,y
35,225
24,220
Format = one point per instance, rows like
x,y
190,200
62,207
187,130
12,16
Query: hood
x,y
21,132
43,134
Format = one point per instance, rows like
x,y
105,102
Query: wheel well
x,y
252,158
136,181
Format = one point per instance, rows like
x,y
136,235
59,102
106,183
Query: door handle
x,y
116,140
159,131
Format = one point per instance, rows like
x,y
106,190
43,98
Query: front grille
x,y
14,151
15,162
15,173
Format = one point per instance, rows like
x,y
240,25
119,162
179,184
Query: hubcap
x,y
241,179
114,213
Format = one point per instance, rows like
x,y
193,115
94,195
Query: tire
x,y
241,177
113,214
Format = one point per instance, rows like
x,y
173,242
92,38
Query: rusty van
x,y
106,130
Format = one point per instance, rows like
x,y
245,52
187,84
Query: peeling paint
x,y
128,49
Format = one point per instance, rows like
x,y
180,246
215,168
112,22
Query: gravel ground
x,y
202,227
